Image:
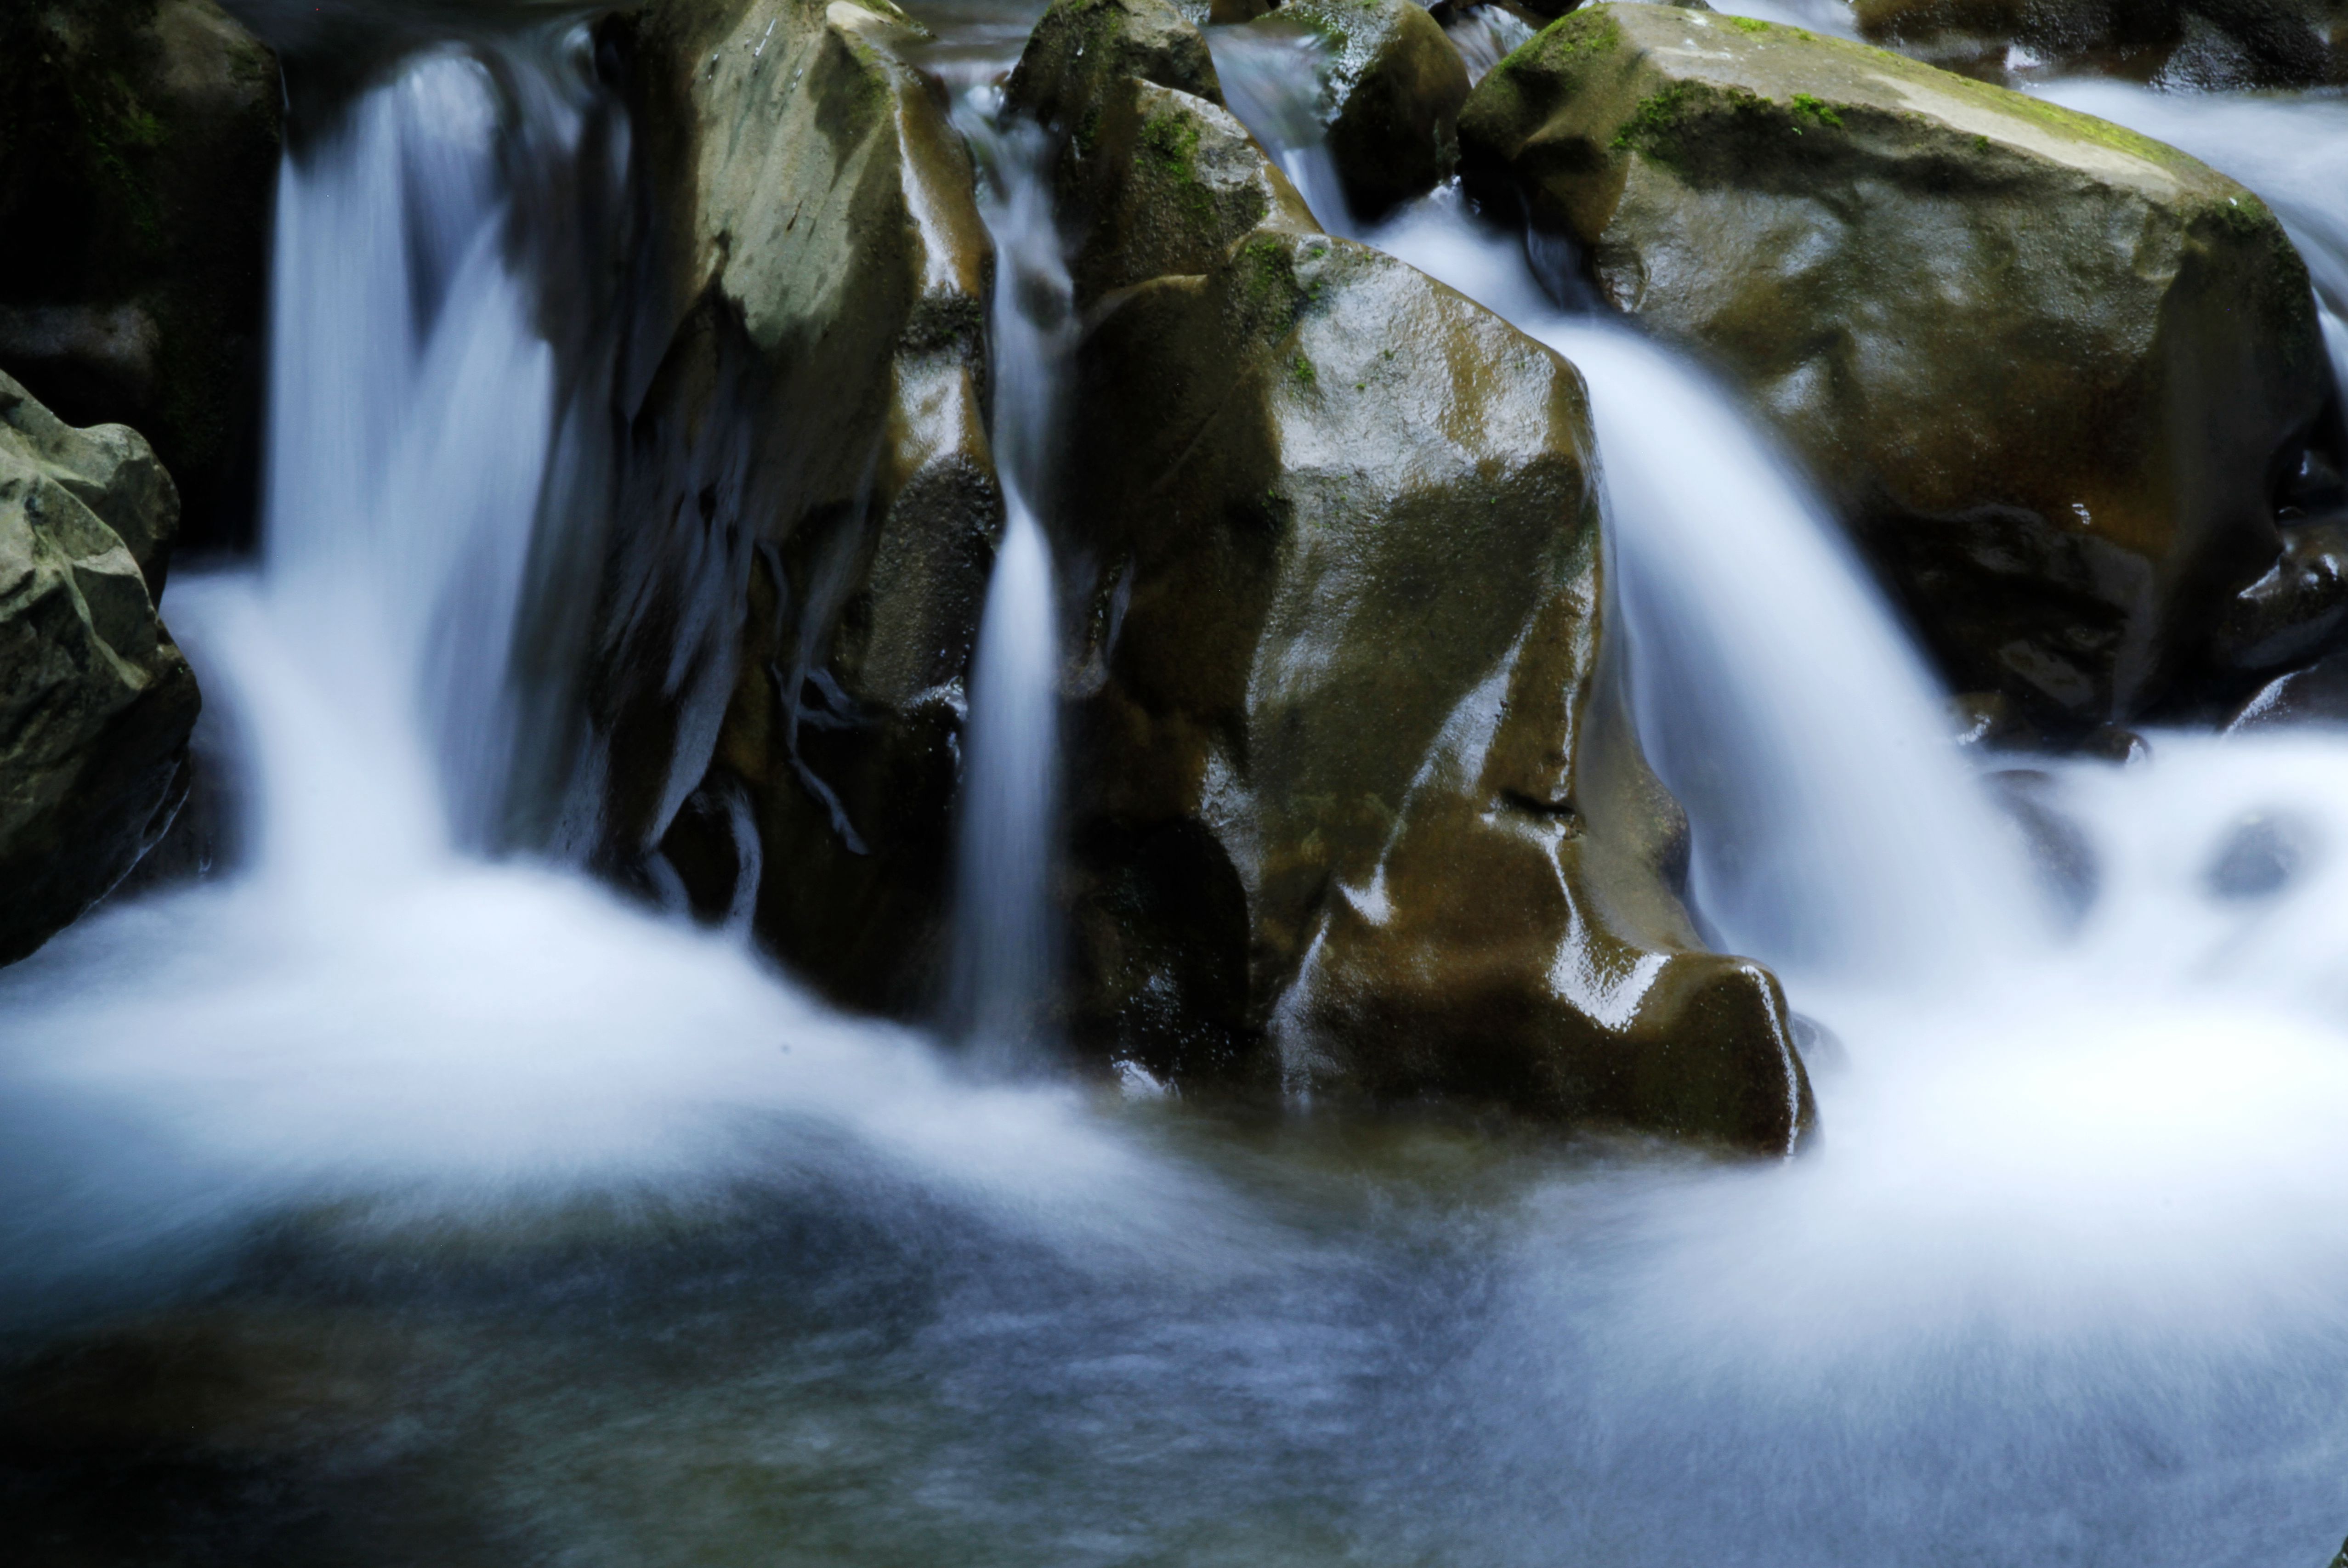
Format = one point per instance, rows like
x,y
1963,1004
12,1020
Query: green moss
x,y
1170,141
1301,368
1751,25
1816,108
1566,48
1653,126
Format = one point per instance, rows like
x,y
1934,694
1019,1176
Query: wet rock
x,y
2208,43
1993,722
2297,610
139,143
1067,75
1354,803
807,507
1983,320
1391,92
95,702
1165,183
2260,855
2316,695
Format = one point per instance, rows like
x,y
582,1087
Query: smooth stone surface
x,y
2044,366
1354,803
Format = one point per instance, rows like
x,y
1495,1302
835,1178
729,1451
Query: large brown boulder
x,y
138,144
806,504
1353,803
96,702
2049,370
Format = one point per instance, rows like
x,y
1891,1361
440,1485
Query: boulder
x,y
2298,610
95,702
1392,85
2048,370
2210,43
138,145
1353,803
2313,694
806,505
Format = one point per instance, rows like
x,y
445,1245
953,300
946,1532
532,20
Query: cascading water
x,y
461,1212
410,407
373,1007
1005,933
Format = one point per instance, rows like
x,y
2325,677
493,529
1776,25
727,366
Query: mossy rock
x,y
2046,368
1081,48
807,503
1392,90
138,145
96,702
1353,802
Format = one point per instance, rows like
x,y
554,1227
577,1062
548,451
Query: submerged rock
x,y
2045,367
95,702
808,505
1391,91
1354,796
139,143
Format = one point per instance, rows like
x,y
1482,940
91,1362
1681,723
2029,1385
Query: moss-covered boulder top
x,y
2046,367
1652,70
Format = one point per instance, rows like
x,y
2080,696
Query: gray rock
x,y
95,702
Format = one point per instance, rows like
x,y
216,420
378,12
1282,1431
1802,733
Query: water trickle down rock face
x,y
139,143
2049,370
807,507
1354,799
96,702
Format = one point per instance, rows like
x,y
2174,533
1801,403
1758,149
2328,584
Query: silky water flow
x,y
501,1219
1004,934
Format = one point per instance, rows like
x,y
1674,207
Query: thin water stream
x,y
1005,937
388,1203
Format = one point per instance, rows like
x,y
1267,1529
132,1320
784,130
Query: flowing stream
x,y
392,1201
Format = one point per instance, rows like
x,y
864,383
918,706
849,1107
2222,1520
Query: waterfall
x,y
1837,831
1005,932
411,406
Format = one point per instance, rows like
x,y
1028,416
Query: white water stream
x,y
1005,932
609,1247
